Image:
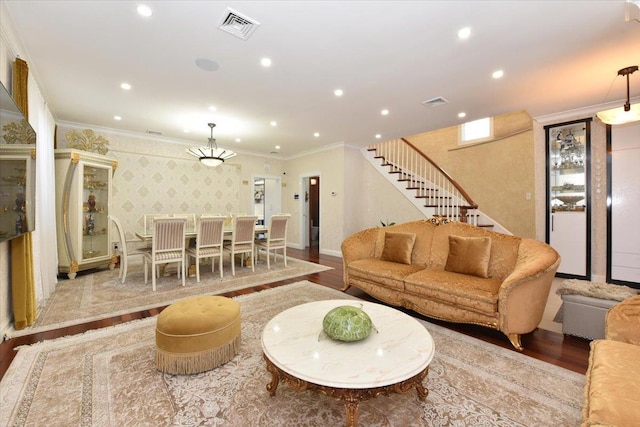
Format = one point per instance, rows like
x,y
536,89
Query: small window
x,y
476,131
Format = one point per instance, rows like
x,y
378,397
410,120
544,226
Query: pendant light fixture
x,y
211,155
626,114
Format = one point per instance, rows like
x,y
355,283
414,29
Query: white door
x,y
624,213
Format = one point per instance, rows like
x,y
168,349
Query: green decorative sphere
x,y
346,323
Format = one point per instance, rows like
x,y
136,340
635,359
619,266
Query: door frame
x,y
277,197
304,225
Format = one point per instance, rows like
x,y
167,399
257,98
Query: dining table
x,y
191,233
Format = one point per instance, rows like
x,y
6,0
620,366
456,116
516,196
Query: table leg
x,y
351,413
275,376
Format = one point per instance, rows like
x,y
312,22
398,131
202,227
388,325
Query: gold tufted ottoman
x,y
197,334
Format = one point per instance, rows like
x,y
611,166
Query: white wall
x,y
329,166
41,120
353,196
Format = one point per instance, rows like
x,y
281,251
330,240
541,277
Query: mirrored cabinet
x,y
17,190
83,203
568,196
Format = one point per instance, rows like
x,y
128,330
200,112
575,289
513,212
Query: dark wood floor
x,y
565,351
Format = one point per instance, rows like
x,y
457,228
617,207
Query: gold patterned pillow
x,y
398,247
469,255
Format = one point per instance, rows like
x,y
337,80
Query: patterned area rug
x,y
108,378
101,295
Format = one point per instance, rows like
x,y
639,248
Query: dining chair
x,y
167,246
124,252
242,240
276,238
191,220
209,241
149,218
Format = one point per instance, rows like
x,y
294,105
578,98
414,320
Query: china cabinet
x,y
568,196
83,203
17,164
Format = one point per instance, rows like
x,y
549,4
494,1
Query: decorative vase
x,y
347,323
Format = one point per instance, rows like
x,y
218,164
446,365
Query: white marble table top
x,y
401,349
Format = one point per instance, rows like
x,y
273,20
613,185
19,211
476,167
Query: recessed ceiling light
x,y
186,131
316,134
265,62
273,124
117,118
464,33
462,115
378,136
339,92
125,86
212,108
238,140
144,10
497,74
277,147
384,112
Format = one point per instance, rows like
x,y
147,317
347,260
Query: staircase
x,y
425,184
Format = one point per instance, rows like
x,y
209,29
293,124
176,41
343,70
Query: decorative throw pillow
x,y
469,255
398,247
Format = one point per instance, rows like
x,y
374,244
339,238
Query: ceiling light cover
x,y
618,116
211,155
627,113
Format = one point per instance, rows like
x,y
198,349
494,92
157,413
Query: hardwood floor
x,y
565,351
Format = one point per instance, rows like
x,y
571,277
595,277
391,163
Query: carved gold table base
x,y
350,397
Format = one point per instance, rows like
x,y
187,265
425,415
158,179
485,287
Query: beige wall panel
x,y
497,174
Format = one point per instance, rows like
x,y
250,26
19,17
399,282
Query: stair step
x,y
434,190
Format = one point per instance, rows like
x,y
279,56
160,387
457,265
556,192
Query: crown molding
x,y
589,111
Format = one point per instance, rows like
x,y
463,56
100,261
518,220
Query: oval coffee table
x,y
393,360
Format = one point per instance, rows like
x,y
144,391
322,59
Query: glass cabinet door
x,y
13,188
568,196
95,196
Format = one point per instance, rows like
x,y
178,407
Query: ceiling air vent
x,y
435,102
237,24
154,132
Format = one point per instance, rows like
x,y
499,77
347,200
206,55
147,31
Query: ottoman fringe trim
x,y
193,363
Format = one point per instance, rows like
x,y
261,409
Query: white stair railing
x,y
441,194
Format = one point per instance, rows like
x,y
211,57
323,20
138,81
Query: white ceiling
x,y
556,56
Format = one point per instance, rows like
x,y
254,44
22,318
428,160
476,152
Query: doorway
x,y
266,198
310,211
314,211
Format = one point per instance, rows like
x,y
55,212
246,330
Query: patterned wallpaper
x,y
154,176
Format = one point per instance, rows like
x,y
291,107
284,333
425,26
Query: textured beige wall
x,y
157,176
329,166
498,174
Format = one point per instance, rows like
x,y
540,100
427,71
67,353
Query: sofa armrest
x,y
361,245
523,295
622,322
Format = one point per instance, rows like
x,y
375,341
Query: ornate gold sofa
x,y
612,389
455,272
